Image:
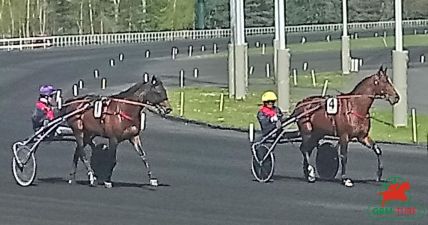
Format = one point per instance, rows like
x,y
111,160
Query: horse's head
x,y
384,88
154,93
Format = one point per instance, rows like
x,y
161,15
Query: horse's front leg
x,y
136,142
343,154
369,143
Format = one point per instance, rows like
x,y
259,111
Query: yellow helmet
x,y
269,96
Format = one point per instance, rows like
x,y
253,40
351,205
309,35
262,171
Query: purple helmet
x,y
47,90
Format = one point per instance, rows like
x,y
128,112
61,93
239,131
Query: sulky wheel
x,y
262,171
327,161
23,171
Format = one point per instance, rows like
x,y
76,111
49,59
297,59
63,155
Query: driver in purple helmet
x,y
44,112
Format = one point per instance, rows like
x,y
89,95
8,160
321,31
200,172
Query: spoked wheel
x,y
23,165
327,160
262,169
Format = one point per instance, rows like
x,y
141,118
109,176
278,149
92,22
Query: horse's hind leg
x,y
369,143
81,142
309,142
136,142
72,176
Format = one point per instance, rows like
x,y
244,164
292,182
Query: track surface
x,y
204,174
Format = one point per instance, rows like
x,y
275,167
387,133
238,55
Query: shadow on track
x,y
60,180
338,181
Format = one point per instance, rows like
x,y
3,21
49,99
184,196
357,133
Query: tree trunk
x,y
90,17
45,6
116,11
101,26
144,4
27,22
80,24
40,6
12,22
130,20
1,10
1,17
173,14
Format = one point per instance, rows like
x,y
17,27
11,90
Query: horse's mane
x,y
361,84
91,96
131,90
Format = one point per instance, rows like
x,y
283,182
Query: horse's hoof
x,y
92,179
311,179
348,182
311,174
379,175
108,184
154,182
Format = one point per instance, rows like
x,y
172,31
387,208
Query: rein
x,y
338,97
130,102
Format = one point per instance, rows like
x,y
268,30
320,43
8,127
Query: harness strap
x,y
359,115
121,114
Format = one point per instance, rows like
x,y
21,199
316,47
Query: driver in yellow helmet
x,y
269,115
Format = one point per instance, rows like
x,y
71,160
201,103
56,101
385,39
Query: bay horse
x,y
352,121
120,120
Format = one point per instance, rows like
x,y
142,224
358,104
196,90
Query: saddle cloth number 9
x,y
331,105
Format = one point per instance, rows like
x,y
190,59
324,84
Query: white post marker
x,y
303,40
173,53
75,90
195,72
147,53
103,83
121,57
181,78
96,73
416,31
263,49
221,102
58,95
112,63
414,127
181,103
295,77
356,35
143,120
251,132
267,70
215,48
305,66
257,44
376,34
328,38
80,83
422,58
59,103
314,81
190,50
203,48
360,62
324,89
251,70
145,77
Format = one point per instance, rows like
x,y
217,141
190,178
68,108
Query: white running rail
x,y
117,38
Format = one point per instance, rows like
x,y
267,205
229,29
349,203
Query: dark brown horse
x,y
120,120
351,121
